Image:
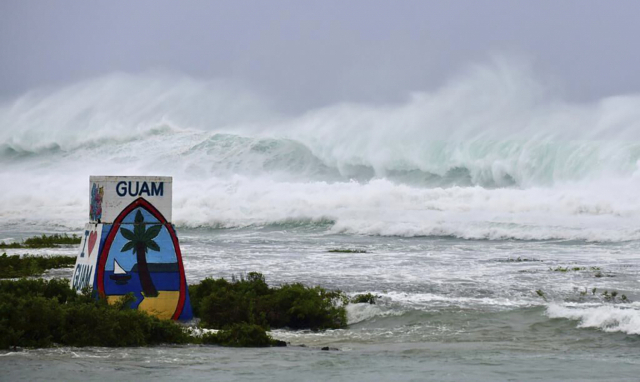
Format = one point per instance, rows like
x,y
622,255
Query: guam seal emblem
x,y
141,255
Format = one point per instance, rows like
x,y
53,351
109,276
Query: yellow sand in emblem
x,y
162,306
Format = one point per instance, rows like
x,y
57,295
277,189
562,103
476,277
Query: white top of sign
x,y
109,195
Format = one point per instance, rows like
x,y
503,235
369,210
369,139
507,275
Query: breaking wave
x,y
606,318
492,154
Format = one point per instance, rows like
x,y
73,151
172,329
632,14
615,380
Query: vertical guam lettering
x,y
82,276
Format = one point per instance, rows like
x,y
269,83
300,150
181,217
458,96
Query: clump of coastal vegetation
x,y
241,335
366,298
611,296
346,250
574,269
520,260
39,313
606,295
43,313
220,304
44,241
597,270
15,266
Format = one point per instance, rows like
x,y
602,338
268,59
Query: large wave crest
x,y
492,154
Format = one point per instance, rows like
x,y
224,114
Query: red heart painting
x,y
92,241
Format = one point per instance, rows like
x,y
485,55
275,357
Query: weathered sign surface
x,y
130,246
111,194
84,271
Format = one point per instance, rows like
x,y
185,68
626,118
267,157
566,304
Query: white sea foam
x,y
365,311
120,107
608,318
431,300
491,155
378,207
361,312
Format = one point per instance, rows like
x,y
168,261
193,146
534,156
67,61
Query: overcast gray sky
x,y
305,54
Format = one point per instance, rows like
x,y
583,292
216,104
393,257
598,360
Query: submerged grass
x,y
606,295
611,296
574,269
346,250
44,241
23,266
520,260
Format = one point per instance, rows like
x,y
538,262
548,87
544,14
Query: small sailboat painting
x,y
119,275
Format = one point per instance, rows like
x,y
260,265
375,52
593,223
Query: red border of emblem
x,y
141,202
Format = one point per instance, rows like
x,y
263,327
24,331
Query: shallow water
x,y
433,361
449,309
466,200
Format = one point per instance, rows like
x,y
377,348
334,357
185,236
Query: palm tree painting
x,y
141,241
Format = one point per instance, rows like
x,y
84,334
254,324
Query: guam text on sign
x,y
111,194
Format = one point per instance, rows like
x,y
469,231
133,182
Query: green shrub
x,y
221,304
364,298
22,266
242,335
117,325
57,289
29,322
299,307
39,313
44,241
4,245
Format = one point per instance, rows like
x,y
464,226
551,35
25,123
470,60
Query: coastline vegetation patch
x,y
606,295
520,260
36,313
366,298
220,304
242,335
40,313
15,266
43,241
346,250
574,269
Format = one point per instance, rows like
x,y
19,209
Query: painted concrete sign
x,y
111,194
137,248
84,271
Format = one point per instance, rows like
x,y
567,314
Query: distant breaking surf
x,y
491,155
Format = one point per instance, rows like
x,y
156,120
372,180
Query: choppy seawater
x,y
449,309
442,190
